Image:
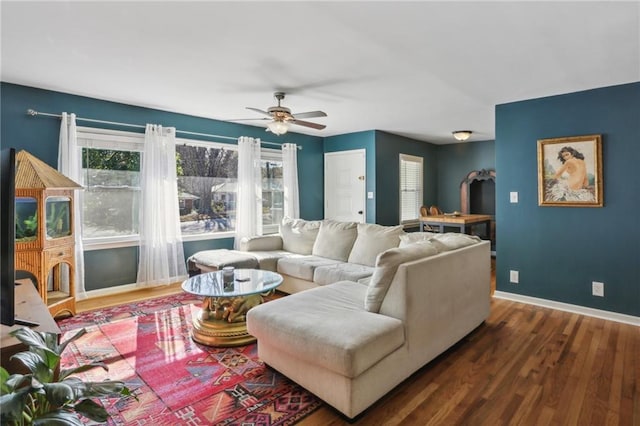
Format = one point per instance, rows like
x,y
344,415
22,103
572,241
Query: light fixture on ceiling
x,y
462,135
278,127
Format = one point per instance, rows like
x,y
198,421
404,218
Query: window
x,y
208,183
272,191
111,178
207,175
207,186
410,188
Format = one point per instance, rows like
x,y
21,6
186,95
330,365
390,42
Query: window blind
x,y
410,188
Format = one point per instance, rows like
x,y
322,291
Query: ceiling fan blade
x,y
310,114
248,119
260,111
308,124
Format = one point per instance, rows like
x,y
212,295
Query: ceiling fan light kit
x,y
277,127
282,117
462,135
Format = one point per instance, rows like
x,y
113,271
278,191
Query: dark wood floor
x,y
526,365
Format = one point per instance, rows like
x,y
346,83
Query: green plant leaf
x,y
58,418
35,364
49,357
4,376
95,389
41,398
92,410
12,404
59,394
76,336
30,337
65,373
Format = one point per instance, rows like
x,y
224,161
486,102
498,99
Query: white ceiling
x,y
417,69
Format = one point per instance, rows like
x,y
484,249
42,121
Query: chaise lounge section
x,y
352,341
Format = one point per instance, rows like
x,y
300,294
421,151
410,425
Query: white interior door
x,y
345,185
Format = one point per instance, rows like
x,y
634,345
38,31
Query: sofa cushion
x,y
372,240
213,260
327,326
298,235
330,274
302,267
335,240
268,260
386,266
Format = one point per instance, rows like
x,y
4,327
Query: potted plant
x,y
49,396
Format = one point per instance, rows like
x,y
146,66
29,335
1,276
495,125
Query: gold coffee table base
x,y
221,321
212,332
227,299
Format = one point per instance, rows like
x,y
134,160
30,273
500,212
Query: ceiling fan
x,y
281,117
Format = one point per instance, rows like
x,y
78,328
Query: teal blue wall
x,y
39,136
455,161
559,251
388,149
360,140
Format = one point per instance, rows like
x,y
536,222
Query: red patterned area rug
x,y
178,381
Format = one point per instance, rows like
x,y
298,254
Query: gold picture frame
x,y
570,171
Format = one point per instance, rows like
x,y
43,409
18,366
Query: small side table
x,y
222,319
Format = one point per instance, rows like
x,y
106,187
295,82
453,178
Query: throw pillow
x,y
454,240
386,265
414,237
372,240
335,240
298,235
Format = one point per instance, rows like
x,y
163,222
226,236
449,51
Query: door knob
x,y
359,211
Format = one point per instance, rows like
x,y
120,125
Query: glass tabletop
x,y
245,283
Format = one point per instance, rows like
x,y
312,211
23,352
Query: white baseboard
x,y
576,309
101,292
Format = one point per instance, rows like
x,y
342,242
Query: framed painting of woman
x,y
570,171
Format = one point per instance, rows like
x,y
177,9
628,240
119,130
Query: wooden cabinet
x,y
45,240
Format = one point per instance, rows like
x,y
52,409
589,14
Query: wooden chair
x,y
431,211
435,210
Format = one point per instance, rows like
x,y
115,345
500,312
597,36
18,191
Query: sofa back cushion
x,y
372,240
335,240
298,235
386,265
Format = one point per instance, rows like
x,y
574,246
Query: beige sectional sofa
x,y
314,253
376,309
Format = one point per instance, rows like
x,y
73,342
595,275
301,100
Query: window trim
x,y
413,159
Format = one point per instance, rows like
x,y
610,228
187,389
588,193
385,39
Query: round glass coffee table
x,y
222,319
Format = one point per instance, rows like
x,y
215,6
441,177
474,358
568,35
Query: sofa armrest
x,y
261,243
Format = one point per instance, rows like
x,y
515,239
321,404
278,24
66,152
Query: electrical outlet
x,y
514,276
597,288
513,197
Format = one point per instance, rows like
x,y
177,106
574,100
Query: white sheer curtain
x,y
290,180
249,203
69,165
161,252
